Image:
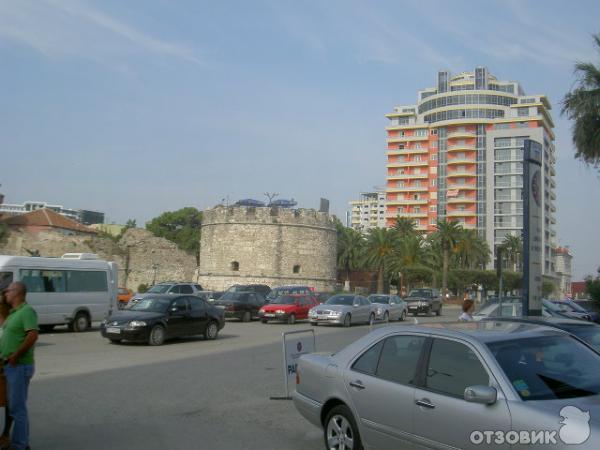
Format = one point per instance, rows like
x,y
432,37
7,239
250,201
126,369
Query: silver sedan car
x,y
456,386
388,307
343,309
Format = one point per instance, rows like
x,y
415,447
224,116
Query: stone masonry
x,y
273,246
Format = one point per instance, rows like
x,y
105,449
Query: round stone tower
x,y
267,245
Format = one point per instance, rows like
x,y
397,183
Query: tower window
x,y
296,268
235,266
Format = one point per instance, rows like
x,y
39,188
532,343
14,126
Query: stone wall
x,y
273,246
147,257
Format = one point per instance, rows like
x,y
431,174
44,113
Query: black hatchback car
x,y
157,318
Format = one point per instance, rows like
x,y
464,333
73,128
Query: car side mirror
x,y
486,395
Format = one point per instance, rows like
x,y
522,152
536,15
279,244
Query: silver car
x,y
343,309
388,307
470,385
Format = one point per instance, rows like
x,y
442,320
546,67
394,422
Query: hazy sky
x,y
138,107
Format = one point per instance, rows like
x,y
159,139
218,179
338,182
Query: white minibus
x,y
76,289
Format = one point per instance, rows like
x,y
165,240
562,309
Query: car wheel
x,y
341,432
414,314
80,323
386,317
439,311
264,320
314,324
291,319
115,341
157,335
212,331
347,320
247,317
403,316
429,312
371,319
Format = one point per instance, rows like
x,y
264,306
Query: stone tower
x,y
268,245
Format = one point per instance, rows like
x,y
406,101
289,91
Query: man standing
x,y
20,334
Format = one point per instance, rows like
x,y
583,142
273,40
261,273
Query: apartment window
x,y
418,146
400,184
417,158
523,112
421,132
417,171
400,159
502,142
418,183
401,133
417,209
433,157
434,144
401,209
460,181
460,155
416,197
400,146
434,182
434,131
433,208
432,221
460,168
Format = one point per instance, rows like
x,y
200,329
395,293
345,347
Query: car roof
x,y
167,296
483,331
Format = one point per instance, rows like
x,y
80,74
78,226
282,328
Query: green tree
x,y
512,247
582,105
592,287
379,250
350,250
408,252
405,226
181,227
471,251
447,233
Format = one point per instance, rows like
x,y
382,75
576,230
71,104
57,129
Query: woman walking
x,y
4,438
468,307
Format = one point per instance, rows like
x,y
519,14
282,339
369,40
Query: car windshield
x,y
590,334
577,308
384,299
152,305
278,292
340,300
235,296
549,367
239,288
285,300
159,288
420,293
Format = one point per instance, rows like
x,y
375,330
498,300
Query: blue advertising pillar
x,y
532,228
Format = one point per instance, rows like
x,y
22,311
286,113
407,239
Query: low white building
x,y
563,270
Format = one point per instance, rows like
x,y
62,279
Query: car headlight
x,y
379,310
280,311
137,323
336,313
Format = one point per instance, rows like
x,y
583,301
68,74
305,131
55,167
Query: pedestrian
x,y
18,338
4,437
468,307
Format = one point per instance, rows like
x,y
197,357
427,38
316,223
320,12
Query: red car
x,y
288,308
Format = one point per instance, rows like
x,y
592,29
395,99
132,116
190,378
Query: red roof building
x,y
43,220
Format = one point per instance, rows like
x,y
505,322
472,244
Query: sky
x,y
138,107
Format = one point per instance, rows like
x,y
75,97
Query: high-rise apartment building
x,y
368,212
458,155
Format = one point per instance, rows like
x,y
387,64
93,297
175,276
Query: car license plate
x,y
113,330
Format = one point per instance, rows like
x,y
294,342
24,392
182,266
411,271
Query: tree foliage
x,y
582,105
181,227
592,287
3,233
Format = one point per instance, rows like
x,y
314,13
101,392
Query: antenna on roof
x,y
271,196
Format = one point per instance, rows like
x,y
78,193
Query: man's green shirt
x,y
21,319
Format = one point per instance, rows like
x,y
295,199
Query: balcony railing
x,y
408,189
461,147
408,164
461,161
407,176
461,135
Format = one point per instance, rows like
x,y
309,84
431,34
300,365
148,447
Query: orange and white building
x,y
458,154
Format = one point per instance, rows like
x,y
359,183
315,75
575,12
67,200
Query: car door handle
x,y
425,403
357,384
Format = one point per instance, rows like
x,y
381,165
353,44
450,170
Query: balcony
x,y
408,176
470,187
394,139
405,202
461,173
408,151
408,189
468,226
461,200
457,213
408,164
461,161
461,135
461,147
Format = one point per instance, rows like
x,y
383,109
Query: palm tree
x,y
405,226
350,251
582,105
471,250
409,253
380,248
513,247
447,233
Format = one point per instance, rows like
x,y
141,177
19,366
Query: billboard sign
x,y
532,228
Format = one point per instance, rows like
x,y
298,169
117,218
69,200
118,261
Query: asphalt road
x,y
188,394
